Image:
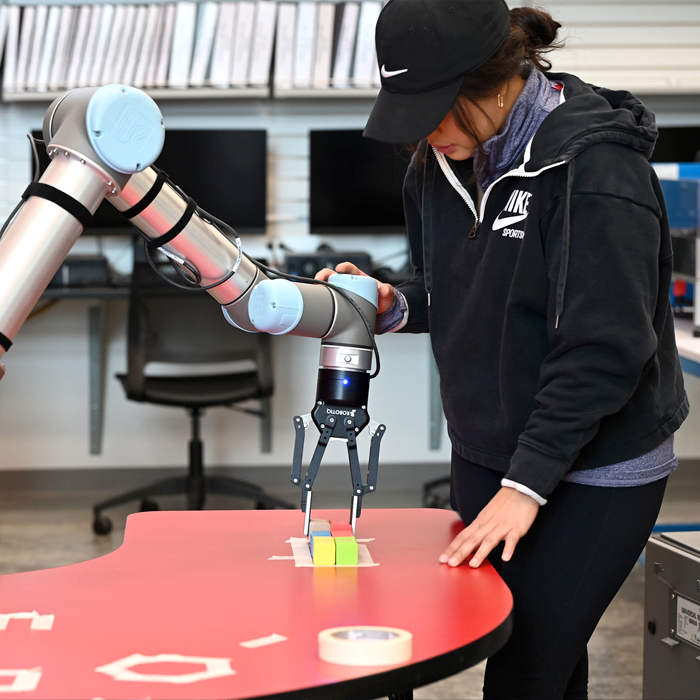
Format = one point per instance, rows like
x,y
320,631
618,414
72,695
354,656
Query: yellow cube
x,y
324,551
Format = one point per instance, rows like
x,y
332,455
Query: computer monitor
x,y
677,144
681,144
355,184
224,171
684,260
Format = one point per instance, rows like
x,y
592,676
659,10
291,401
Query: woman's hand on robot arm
x,y
506,517
386,291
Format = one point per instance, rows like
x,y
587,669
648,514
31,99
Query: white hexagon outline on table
x,y
121,670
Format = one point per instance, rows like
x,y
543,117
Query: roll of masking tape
x,y
365,645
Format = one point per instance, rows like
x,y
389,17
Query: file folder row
x,y
180,45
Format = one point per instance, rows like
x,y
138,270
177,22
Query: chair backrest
x,y
171,325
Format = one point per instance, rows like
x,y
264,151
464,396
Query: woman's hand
x,y
386,291
507,516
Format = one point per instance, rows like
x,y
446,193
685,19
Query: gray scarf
x,y
538,98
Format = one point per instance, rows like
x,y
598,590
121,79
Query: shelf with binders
x,y
200,93
191,49
173,50
211,93
323,93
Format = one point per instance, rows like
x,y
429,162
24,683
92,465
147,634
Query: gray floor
x,y
45,521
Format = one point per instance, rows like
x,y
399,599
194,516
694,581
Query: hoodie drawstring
x,y
565,245
429,176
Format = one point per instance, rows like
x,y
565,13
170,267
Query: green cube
x,y
345,551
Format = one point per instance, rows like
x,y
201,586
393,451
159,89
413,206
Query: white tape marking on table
x,y
263,641
302,555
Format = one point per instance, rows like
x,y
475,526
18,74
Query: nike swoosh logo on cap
x,y
507,221
391,73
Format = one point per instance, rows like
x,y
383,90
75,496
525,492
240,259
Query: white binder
x,y
109,68
284,46
345,47
183,43
204,42
42,81
42,13
128,69
165,46
263,41
90,45
365,65
57,76
242,43
25,42
3,26
11,48
222,54
304,44
106,17
323,53
145,53
77,51
152,70
124,44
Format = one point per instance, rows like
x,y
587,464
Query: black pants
x,y
563,575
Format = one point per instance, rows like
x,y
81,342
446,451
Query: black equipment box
x,y
80,271
308,264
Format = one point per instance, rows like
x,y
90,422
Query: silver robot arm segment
x,y
57,208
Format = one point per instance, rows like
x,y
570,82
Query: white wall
x,y
640,45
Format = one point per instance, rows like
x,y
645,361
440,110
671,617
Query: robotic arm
x,y
103,142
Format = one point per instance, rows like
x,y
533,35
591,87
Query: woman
x,y
548,311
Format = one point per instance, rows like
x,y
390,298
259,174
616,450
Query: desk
x,y
199,583
95,346
688,346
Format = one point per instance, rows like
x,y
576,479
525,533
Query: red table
x,y
164,615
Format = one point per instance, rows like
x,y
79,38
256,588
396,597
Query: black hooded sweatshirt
x,y
549,310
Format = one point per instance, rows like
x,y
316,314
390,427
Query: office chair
x,y
170,326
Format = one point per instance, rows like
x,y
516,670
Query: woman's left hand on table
x,y
506,517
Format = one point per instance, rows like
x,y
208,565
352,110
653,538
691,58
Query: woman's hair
x,y
533,34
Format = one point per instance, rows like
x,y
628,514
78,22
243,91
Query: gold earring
x,y
500,100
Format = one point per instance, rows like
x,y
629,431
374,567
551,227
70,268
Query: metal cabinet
x,y
672,617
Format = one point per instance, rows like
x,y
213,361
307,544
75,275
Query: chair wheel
x,y
101,525
436,501
148,504
260,505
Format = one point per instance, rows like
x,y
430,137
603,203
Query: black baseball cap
x,y
424,50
